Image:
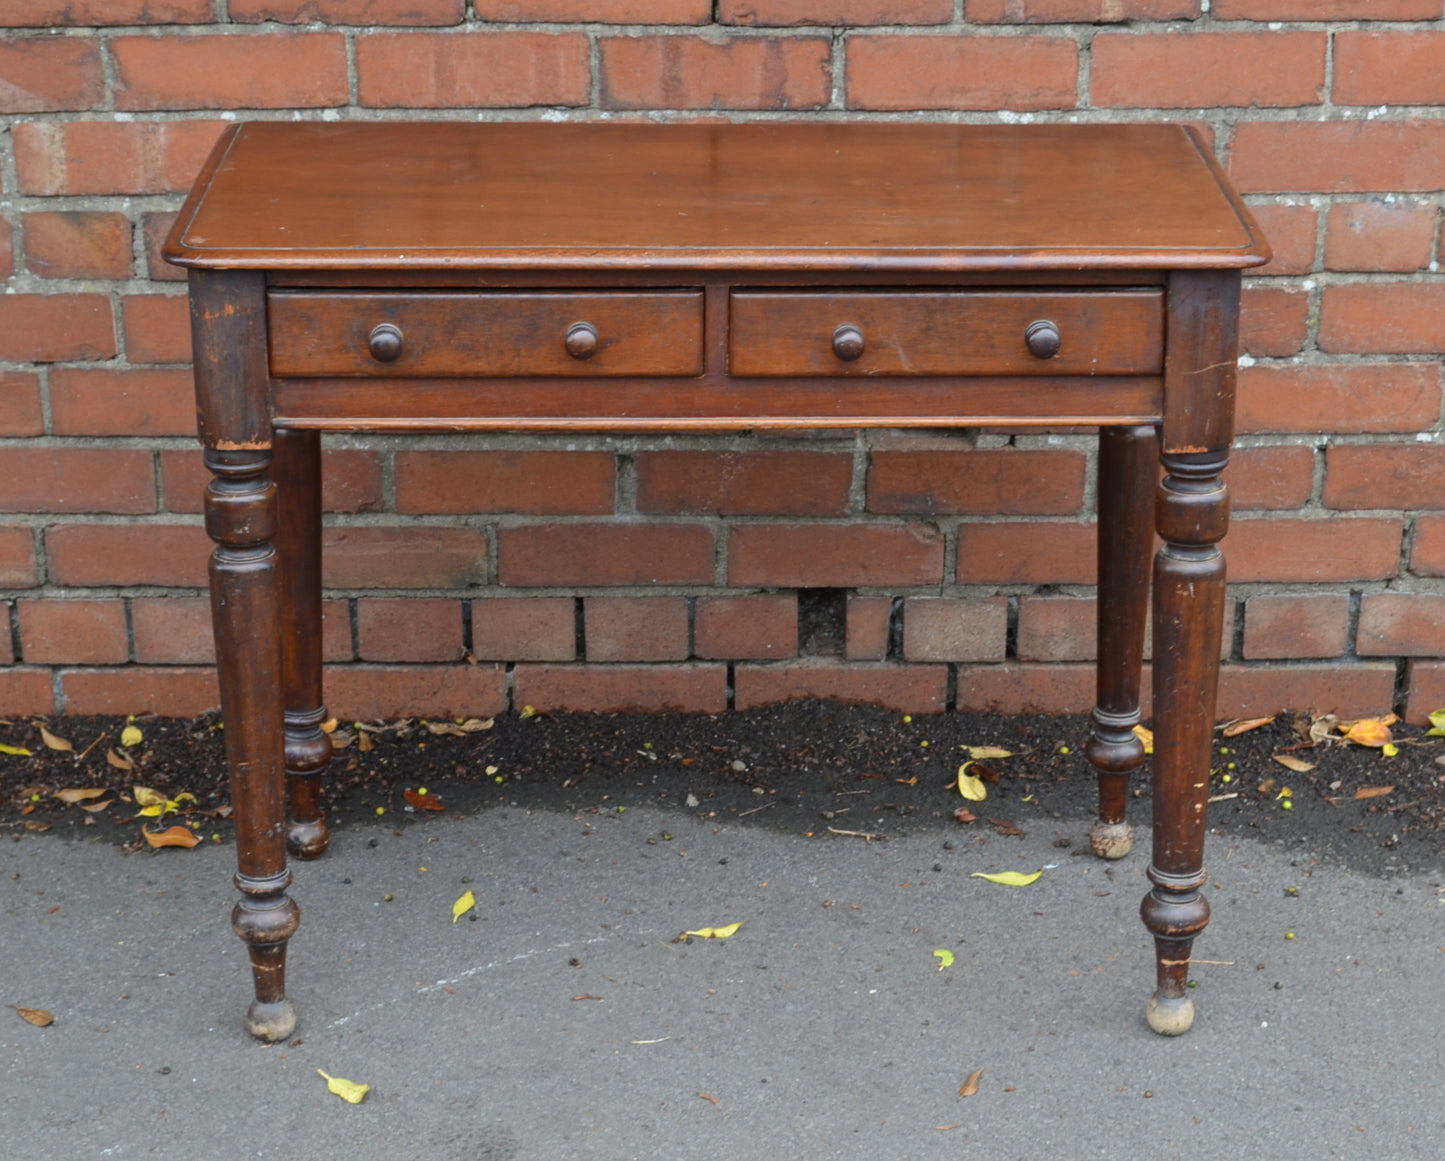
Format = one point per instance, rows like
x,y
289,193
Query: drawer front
x,y
927,332
485,334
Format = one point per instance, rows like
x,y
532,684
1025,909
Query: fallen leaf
x,y
1369,732
364,743
52,742
945,958
347,1090
1235,728
1322,729
1005,828
119,760
37,1016
18,751
421,800
1290,762
329,726
36,825
1267,786
527,711
970,1086
463,905
1145,735
970,787
340,739
97,807
474,725
977,752
131,736
145,796
963,814
71,797
1389,749
1437,725
451,728
1008,878
1373,791
714,932
176,836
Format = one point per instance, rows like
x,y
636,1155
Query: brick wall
x,y
918,571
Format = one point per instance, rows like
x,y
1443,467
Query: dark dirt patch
x,y
799,768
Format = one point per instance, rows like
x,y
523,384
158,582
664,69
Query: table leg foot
x,y
1111,840
1170,1015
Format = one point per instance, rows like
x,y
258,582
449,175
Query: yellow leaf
x,y
970,787
37,1016
71,797
1370,731
714,932
119,760
152,811
131,736
1437,724
1008,878
53,742
329,726
176,836
1285,792
1389,749
1147,737
976,753
145,796
19,751
183,796
1290,762
945,958
528,711
1234,729
463,905
970,1086
347,1090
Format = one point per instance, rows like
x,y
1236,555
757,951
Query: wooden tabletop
x,y
775,196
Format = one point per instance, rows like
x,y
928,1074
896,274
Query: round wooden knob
x,y
582,340
1042,338
385,343
847,342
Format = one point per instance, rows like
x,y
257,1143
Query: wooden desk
x,y
425,277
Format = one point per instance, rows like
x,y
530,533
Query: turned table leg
x,y
298,544
1127,467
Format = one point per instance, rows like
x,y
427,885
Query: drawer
x,y
485,334
941,332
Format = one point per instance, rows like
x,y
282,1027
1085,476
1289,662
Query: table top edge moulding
x,y
625,277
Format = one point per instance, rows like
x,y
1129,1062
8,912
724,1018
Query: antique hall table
x,y
620,278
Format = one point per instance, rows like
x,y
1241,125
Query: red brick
x,y
868,626
7,644
534,482
1380,236
1166,70
70,479
1350,691
763,483
1401,625
962,72
832,13
1292,550
757,628
409,629
1014,688
128,554
73,632
1291,232
54,328
18,567
177,631
481,69
1005,482
1007,552
26,691
635,628
388,692
7,249
1078,11
1343,397
834,555
596,11
20,413
1409,476
82,13
1287,626
157,328
154,228
1326,9
1384,317
55,158
606,554
1427,554
350,480
1338,156
1271,477
1404,67
46,74
1425,681
906,688
945,629
686,72
524,629
363,12
1272,320
270,71
100,401
1065,629
174,691
622,688
411,557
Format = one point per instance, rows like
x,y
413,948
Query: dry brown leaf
x,y
97,807
1235,728
422,800
448,728
340,739
216,811
176,836
1322,729
119,760
37,1016
364,742
36,825
1298,765
970,1086
963,814
53,742
1373,791
71,797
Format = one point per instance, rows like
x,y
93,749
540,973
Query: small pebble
x,y
739,766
